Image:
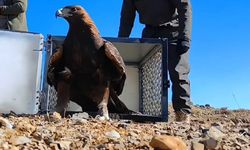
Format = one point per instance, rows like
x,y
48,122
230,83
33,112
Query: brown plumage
x,y
87,69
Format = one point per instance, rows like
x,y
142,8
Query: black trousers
x,y
178,66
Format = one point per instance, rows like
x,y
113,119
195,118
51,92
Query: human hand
x,y
182,46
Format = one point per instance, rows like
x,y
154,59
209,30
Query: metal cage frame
x,y
55,40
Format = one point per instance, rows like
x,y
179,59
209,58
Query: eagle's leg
x,y
103,105
63,96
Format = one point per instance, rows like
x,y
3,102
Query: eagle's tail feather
x,y
115,105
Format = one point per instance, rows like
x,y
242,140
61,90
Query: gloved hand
x,y
182,46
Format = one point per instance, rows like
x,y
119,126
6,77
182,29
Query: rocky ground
x,y
210,128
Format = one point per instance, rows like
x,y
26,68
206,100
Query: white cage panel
x,y
20,67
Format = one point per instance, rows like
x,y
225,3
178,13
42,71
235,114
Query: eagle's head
x,y
78,17
71,12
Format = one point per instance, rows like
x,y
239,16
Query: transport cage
x,y
147,82
20,72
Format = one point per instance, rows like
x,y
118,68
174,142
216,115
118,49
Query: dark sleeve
x,y
128,13
19,6
184,10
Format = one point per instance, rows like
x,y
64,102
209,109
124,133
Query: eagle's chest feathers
x,y
82,58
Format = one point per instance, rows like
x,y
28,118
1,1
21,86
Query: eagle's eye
x,y
74,9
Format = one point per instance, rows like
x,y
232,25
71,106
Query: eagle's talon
x,y
66,73
102,118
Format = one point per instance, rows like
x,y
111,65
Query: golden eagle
x,y
87,69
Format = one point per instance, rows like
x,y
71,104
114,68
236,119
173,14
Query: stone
x,y
54,146
215,133
5,123
5,146
55,117
79,121
133,140
197,146
242,140
244,132
213,138
19,140
112,134
25,126
83,115
119,146
211,143
1,133
64,145
15,148
133,134
166,142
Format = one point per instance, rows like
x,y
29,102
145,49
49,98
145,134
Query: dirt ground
x,y
45,132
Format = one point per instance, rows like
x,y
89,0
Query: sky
x,y
220,48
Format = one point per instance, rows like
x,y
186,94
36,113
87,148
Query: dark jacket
x,y
3,19
176,14
15,10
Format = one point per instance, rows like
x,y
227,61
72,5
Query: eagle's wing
x,y
114,56
54,63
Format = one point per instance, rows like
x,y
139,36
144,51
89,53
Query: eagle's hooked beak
x,y
63,12
59,13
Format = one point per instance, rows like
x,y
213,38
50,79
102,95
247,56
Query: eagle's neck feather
x,y
89,27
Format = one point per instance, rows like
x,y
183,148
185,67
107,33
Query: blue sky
x,y
220,51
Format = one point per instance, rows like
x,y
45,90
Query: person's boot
x,y
182,117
